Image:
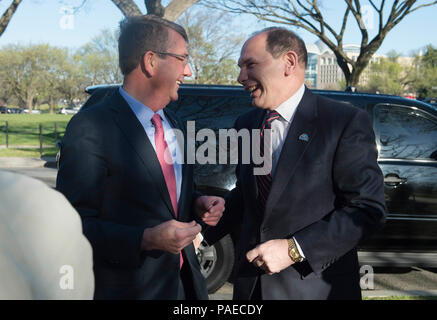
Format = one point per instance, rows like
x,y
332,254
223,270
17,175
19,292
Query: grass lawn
x,y
23,133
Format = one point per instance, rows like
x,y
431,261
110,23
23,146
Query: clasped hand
x,y
173,236
271,256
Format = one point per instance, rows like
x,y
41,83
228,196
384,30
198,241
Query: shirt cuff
x,y
299,248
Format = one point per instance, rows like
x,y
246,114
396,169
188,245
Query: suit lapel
x,y
304,122
137,137
248,179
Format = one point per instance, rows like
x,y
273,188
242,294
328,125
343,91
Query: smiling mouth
x,y
255,90
251,88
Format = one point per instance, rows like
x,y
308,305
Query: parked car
x,y
406,138
14,110
69,110
4,109
34,111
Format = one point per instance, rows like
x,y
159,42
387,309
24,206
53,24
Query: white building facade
x,y
323,71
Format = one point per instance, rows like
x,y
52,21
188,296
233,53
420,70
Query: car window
x,y
405,133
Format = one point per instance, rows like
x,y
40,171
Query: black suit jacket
x,y
110,173
327,192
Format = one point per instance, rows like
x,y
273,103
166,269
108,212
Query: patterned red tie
x,y
164,158
264,182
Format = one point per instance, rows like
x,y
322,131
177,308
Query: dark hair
x,y
280,40
139,34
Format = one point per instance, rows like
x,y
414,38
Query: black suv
x,y
406,137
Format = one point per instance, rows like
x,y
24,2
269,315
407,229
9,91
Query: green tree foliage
x,y
388,76
23,70
39,73
425,73
98,59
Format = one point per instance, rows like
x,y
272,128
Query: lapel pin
x,y
304,137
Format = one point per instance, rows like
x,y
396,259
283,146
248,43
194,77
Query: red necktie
x,y
264,182
165,160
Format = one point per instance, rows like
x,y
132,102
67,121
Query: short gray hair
x,y
280,40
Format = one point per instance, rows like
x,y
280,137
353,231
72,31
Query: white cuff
x,y
299,248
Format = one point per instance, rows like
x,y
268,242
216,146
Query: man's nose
x,y
242,76
187,71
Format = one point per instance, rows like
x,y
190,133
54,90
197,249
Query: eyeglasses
x,y
181,57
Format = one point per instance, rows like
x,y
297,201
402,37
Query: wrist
x,y
293,251
146,241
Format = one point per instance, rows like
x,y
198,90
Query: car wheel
x,y
216,262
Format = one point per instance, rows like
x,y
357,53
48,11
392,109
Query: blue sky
x,y
50,21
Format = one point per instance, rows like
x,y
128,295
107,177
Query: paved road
x,y
386,282
46,175
391,280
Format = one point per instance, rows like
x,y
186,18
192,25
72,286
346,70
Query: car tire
x,y
216,262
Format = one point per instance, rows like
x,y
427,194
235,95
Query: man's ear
x,y
149,63
291,62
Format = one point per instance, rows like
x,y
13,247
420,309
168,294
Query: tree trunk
x,y
29,103
173,10
176,8
7,15
128,8
154,7
52,105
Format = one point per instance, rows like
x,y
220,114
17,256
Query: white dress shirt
x,y
280,127
144,114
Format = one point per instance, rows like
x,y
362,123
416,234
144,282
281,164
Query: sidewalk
x,y
398,293
225,293
12,162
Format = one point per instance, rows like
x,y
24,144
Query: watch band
x,y
293,251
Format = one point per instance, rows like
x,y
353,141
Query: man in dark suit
x,y
301,223
121,168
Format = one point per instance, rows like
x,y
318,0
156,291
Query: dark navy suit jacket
x,y
111,175
327,192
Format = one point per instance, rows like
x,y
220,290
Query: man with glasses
x,y
121,168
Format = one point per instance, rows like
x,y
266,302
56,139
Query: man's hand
x,y
210,209
198,241
171,236
271,256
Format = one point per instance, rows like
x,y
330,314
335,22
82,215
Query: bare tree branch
x,y
7,15
128,8
307,14
177,7
154,7
173,10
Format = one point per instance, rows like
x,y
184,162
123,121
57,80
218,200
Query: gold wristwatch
x,y
293,252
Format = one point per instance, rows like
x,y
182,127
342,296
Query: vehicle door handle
x,y
392,179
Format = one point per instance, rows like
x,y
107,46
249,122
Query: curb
x,y
13,162
398,293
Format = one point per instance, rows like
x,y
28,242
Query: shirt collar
x,y
289,106
143,113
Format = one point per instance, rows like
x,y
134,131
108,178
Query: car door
x,y
407,145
